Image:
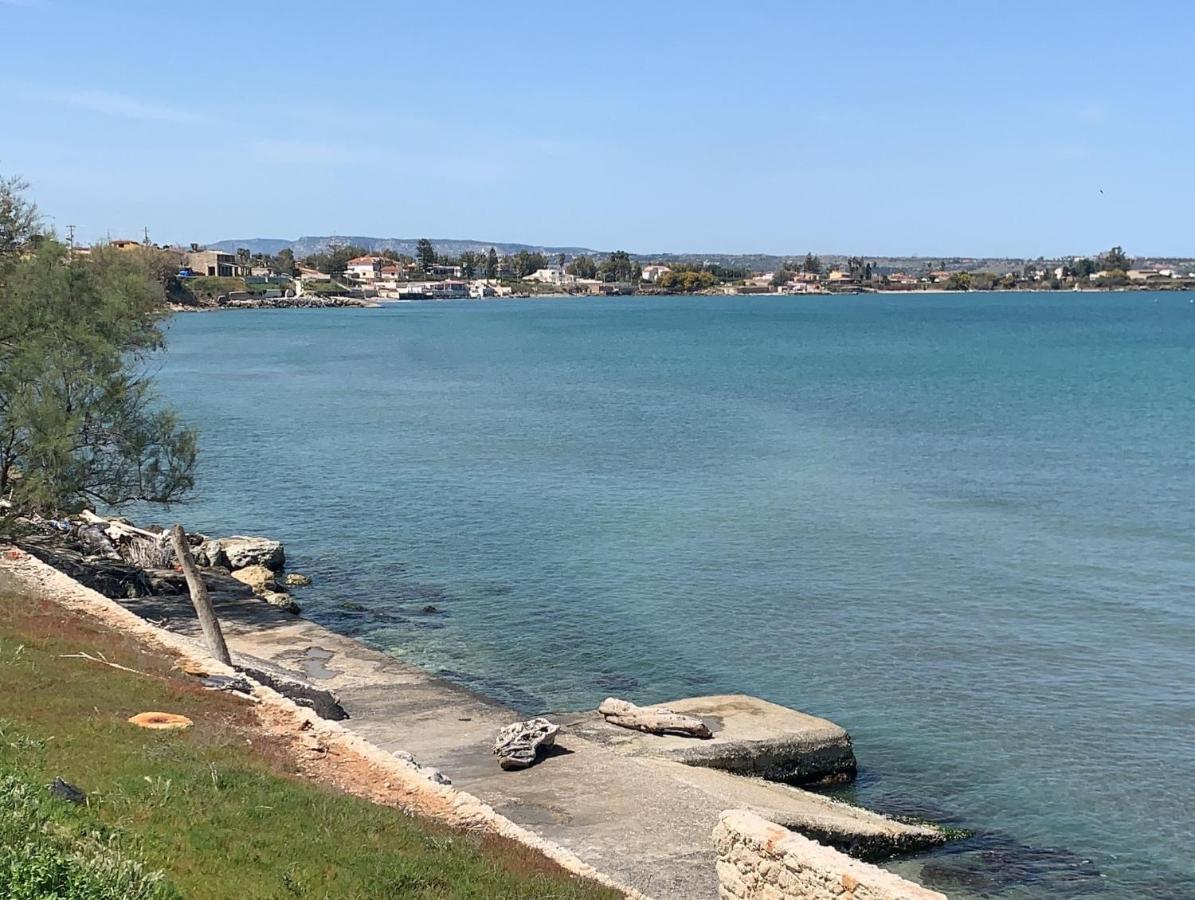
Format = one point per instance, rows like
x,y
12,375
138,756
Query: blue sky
x,y
872,128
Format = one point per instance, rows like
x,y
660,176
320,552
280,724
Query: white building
x,y
365,268
550,275
652,273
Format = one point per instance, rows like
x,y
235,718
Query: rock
x,y
282,600
67,792
322,702
296,579
227,683
259,578
210,553
239,551
518,746
242,551
430,609
429,772
112,578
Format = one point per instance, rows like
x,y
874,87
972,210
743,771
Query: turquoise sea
x,y
962,526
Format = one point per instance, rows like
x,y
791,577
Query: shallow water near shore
x,y
961,526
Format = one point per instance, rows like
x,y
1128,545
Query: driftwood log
x,y
199,597
519,745
652,719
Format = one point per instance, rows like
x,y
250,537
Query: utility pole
x,y
70,239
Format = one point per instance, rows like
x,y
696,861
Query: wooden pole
x,y
199,598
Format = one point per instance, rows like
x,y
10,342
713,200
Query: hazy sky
x,y
897,127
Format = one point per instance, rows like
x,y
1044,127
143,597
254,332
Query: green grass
x,y
212,286
320,287
216,808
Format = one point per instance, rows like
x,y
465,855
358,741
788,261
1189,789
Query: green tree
x,y
491,263
812,264
20,224
620,267
582,267
686,281
526,262
1116,258
284,262
425,252
469,262
959,281
79,421
334,261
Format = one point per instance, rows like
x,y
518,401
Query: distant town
x,y
352,274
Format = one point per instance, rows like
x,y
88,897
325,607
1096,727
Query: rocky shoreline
x,y
659,776
307,301
122,561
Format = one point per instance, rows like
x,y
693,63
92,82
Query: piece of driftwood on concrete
x,y
652,719
519,745
199,597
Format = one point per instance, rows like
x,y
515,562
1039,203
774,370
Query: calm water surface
x,y
961,526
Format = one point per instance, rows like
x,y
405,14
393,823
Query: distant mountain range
x,y
305,246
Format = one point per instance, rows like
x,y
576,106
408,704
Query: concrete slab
x,y
644,818
853,829
751,737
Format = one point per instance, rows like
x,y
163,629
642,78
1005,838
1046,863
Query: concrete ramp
x,y
637,807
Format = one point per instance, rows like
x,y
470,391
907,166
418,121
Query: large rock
x,y
259,578
519,745
240,551
323,702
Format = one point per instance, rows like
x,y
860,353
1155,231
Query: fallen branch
x,y
119,529
106,662
652,719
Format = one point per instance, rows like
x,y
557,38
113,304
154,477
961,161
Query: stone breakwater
x,y
758,860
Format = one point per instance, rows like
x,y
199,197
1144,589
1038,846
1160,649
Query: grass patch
x,y
323,287
209,286
217,808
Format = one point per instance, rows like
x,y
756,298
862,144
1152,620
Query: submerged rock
x,y
519,745
297,579
282,600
